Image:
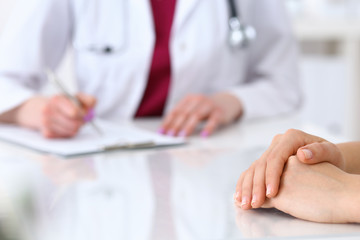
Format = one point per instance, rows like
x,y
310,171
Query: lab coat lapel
x,y
184,8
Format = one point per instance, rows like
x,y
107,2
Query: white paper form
x,y
116,136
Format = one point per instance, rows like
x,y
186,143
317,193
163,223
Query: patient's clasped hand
x,y
306,177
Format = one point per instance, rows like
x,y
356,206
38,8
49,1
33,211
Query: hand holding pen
x,y
65,114
79,107
60,116
55,117
63,119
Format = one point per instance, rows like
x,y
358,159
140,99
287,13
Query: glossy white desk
x,y
171,193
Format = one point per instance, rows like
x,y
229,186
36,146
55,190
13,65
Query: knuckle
x,y
190,98
329,145
258,186
277,137
245,189
216,116
292,161
195,116
217,112
269,175
45,121
320,148
56,99
46,111
293,132
248,173
241,178
184,114
173,114
271,157
199,98
74,127
255,164
276,159
243,174
260,162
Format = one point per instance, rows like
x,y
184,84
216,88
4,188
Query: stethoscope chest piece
x,y
240,34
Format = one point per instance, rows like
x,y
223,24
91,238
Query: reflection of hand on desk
x,y
203,156
66,172
262,223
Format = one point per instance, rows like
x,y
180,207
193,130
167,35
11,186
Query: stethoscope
x,y
240,34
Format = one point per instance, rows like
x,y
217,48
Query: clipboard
x,y
116,137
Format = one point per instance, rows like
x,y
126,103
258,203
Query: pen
x,y
52,77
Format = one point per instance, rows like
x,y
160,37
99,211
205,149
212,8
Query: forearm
x,y
231,106
9,116
351,153
27,114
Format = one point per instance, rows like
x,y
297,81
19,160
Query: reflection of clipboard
x,y
138,145
116,137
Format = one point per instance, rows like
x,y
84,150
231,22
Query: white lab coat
x,y
263,76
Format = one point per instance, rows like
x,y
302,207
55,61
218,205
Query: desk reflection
x,y
264,223
158,194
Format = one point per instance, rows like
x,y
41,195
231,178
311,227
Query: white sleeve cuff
x,y
262,99
12,94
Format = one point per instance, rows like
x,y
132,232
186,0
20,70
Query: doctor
x,y
149,58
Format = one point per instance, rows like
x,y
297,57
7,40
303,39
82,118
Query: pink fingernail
x,y
244,201
89,116
254,199
307,153
204,134
237,196
161,130
268,190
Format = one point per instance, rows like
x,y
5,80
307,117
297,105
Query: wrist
x,y
352,198
29,114
231,106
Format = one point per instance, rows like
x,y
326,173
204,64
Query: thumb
x,y
321,152
88,101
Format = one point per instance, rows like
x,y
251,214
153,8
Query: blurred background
x,y
328,32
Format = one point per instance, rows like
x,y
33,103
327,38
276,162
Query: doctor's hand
x,y
56,117
262,179
319,192
215,111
